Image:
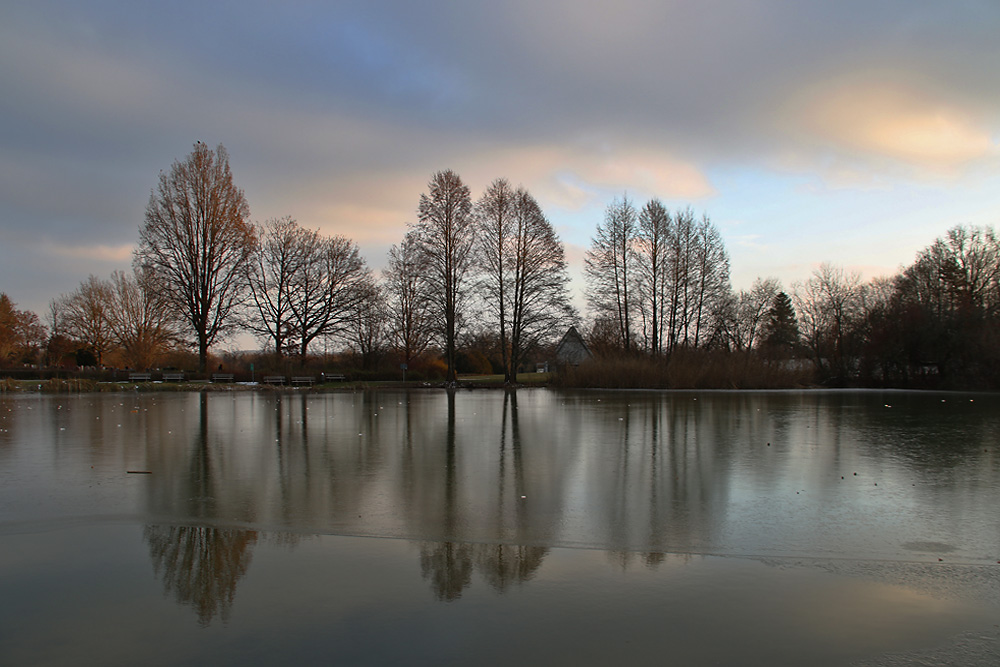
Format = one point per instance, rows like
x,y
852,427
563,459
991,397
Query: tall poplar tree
x,y
610,268
524,278
446,231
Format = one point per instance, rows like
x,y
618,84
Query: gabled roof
x,y
572,348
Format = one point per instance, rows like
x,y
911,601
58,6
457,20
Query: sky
x,y
850,132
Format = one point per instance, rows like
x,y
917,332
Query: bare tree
x,y
958,272
710,278
949,299
409,318
610,270
196,240
751,309
540,304
655,227
829,306
139,318
524,280
325,290
86,316
446,231
280,252
366,331
976,253
59,346
495,215
696,283
678,283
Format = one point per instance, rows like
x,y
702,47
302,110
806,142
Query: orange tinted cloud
x,y
120,254
572,176
869,117
374,207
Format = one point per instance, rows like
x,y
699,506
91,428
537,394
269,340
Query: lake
x,y
488,527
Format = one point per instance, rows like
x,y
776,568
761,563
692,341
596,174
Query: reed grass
x,y
689,369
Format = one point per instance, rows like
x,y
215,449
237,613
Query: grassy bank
x,y
687,370
81,385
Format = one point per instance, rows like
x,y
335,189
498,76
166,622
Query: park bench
x,y
222,377
304,379
274,379
139,377
335,376
173,377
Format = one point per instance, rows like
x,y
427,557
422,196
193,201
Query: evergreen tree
x,y
781,330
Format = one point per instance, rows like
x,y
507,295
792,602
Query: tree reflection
x,y
201,565
506,565
202,499
448,565
450,490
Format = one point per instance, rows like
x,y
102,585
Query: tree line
x,y
203,271
658,285
489,276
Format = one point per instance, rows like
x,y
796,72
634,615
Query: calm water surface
x,y
426,527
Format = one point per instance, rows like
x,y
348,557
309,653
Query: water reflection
x,y
853,495
448,566
806,474
201,565
824,474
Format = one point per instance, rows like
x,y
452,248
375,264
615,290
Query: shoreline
x,y
58,386
74,386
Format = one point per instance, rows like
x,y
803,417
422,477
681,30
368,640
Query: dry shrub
x,y
68,386
687,369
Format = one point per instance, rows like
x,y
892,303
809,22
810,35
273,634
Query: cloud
x,y
654,173
873,118
574,175
338,114
372,199
120,256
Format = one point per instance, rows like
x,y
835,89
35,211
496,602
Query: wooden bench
x,y
304,379
222,377
139,377
335,376
274,379
173,377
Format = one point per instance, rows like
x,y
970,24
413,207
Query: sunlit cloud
x,y
376,206
121,254
869,117
572,176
